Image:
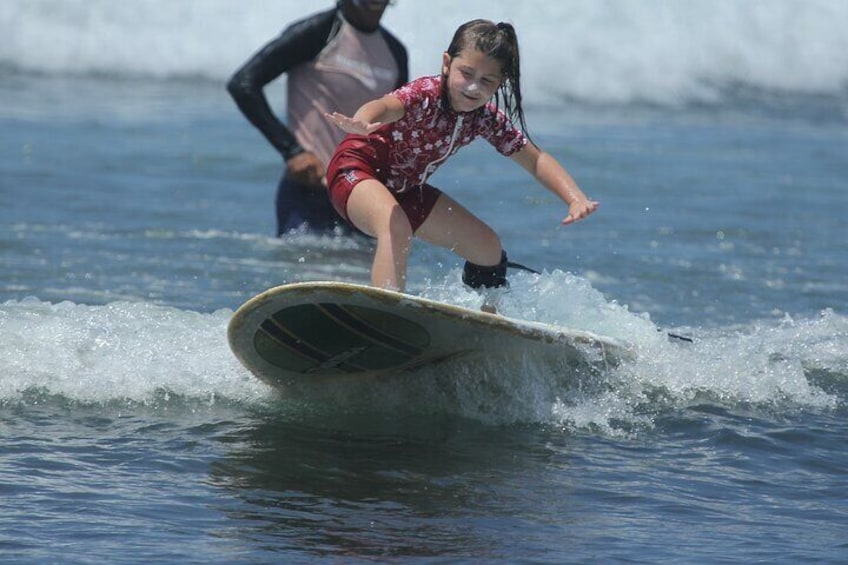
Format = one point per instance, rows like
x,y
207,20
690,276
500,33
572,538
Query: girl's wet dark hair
x,y
499,42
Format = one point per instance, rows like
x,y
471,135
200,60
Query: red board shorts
x,y
356,160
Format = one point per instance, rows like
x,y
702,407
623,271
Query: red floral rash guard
x,y
417,144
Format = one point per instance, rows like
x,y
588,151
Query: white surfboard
x,y
319,331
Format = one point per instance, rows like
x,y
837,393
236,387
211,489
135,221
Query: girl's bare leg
x,y
450,225
373,209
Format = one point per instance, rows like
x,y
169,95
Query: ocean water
x,y
136,214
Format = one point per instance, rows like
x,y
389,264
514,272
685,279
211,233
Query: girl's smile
x,y
472,79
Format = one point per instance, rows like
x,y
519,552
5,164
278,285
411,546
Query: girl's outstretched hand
x,y
353,125
579,209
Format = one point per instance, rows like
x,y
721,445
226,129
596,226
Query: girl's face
x,y
473,78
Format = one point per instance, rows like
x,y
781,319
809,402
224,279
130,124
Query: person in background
x,y
336,61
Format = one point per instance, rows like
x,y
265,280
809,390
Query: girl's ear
x,y
446,59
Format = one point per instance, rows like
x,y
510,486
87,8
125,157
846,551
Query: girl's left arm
x,y
555,178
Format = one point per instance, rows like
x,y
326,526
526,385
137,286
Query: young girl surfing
x,y
378,175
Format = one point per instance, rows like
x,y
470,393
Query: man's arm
x,y
299,43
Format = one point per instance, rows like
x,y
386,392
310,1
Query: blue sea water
x,y
136,215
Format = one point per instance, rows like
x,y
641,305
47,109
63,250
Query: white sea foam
x,y
603,51
121,351
134,351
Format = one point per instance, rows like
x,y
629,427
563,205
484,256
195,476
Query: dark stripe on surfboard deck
x,y
277,331
356,324
280,335
332,338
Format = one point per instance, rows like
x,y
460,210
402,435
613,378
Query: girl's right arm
x,y
552,175
370,116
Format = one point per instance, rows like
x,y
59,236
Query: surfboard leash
x,y
514,265
670,335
